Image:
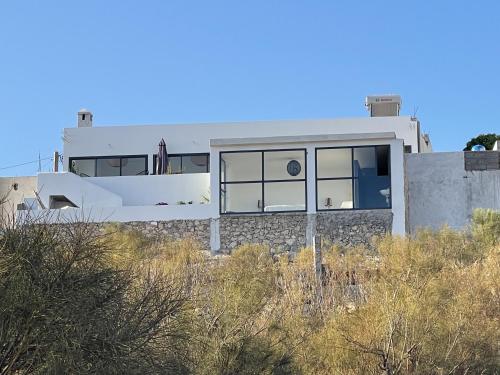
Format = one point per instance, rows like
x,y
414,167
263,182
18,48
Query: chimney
x,y
383,105
84,118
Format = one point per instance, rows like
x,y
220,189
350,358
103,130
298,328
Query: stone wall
x,y
175,229
291,232
282,232
481,161
352,228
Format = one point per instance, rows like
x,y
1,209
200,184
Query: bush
x,y
75,300
66,309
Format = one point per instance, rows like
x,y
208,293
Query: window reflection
x,y
360,181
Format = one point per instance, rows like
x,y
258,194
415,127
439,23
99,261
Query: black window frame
x,y
262,181
352,177
155,156
95,158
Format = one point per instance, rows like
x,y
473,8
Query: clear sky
x,y
146,62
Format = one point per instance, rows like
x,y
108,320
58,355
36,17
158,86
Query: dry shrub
x,y
78,301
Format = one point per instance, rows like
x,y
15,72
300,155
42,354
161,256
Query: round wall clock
x,y
293,168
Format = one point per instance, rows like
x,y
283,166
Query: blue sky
x,y
146,62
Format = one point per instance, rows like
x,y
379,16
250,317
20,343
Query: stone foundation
x,y
353,228
282,232
291,232
199,230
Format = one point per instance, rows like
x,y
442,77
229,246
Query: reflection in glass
x,y
285,196
108,167
241,197
276,164
334,194
242,166
194,163
373,182
83,168
133,166
334,162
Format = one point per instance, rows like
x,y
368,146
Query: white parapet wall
x,y
153,189
125,198
123,214
120,191
76,189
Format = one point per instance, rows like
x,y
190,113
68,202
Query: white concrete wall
x,y
133,140
25,189
78,190
441,192
123,214
124,190
150,190
127,198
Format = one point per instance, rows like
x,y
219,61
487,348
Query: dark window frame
x,y
262,181
352,177
95,158
155,156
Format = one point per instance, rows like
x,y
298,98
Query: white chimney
x,y
84,118
383,105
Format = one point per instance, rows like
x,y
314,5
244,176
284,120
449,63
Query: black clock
x,y
293,168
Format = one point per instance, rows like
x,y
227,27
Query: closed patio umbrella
x,y
162,158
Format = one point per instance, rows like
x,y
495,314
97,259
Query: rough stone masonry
x,y
282,232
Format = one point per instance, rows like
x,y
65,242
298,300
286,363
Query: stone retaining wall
x,y
175,229
352,228
282,232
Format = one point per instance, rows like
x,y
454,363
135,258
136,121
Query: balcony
x,y
126,198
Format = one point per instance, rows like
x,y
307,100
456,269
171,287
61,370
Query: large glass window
x,y
186,163
353,178
102,166
263,181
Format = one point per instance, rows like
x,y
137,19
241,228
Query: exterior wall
x,y
80,191
282,232
25,189
120,191
186,138
150,190
198,230
291,232
353,228
125,214
441,191
481,161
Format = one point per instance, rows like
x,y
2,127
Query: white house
x,y
226,174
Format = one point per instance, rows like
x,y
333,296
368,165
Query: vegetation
x,y
487,140
76,300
